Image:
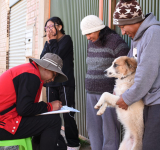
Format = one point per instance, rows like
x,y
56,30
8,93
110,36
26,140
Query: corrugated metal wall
x,y
105,11
72,12
147,7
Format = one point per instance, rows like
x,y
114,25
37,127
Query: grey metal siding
x,y
105,11
72,12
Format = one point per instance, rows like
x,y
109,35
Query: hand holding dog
x,y
121,103
56,105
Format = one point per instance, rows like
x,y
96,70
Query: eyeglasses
x,y
50,27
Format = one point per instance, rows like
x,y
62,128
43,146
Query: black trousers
x,y
67,96
45,129
151,138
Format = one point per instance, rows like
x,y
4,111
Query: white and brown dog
x,y
124,69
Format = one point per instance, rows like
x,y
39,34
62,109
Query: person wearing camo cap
x,y
145,47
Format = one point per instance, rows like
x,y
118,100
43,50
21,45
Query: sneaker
x,y
73,148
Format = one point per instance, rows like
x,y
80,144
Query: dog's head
x,y
121,67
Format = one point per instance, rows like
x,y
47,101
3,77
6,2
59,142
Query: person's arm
x,y
63,49
45,50
147,69
26,87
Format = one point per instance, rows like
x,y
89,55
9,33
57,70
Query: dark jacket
x,y
64,48
20,89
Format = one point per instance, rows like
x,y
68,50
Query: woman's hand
x,y
56,105
51,35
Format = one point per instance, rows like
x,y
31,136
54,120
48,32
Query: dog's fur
x,y
124,69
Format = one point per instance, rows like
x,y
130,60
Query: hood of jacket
x,y
150,20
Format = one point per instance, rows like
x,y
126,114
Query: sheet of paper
x,y
69,108
64,109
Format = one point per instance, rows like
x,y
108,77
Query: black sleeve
x,y
45,50
61,48
26,87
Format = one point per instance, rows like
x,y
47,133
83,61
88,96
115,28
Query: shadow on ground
x,y
85,144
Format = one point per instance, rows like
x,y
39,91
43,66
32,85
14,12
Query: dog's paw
x,y
97,106
99,103
100,112
102,109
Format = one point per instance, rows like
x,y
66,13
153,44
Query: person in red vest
x,y
20,89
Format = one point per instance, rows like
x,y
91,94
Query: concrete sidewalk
x,y
9,148
16,148
85,147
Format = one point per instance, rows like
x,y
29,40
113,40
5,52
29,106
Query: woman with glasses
x,y
61,44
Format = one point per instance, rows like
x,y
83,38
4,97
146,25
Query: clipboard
x,y
64,109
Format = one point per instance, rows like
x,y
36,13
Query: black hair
x,y
56,20
104,33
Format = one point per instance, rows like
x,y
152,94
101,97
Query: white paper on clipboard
x,y
64,109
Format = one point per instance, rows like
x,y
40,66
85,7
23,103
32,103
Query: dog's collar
x,y
127,76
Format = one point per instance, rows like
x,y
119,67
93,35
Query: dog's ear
x,y
131,63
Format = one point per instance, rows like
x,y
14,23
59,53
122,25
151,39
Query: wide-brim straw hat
x,y
52,62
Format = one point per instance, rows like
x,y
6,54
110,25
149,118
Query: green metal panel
x,y
150,6
72,12
105,11
147,7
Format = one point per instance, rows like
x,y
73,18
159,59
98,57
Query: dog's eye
x,y
115,65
